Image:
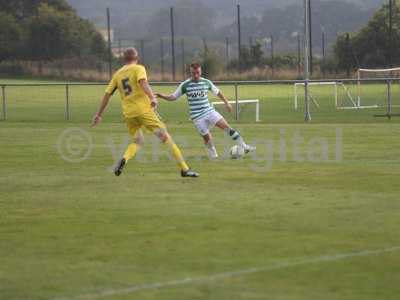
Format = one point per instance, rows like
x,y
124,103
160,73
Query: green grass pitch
x,y
300,224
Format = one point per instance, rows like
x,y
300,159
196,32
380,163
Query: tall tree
x,y
10,37
21,9
370,46
46,30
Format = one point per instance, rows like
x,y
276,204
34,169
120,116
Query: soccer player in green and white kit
x,y
203,115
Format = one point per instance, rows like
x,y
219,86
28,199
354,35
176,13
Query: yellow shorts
x,y
148,120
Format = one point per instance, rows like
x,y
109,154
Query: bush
x,y
211,65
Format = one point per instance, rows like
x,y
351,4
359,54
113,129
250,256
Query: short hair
x,y
131,54
195,66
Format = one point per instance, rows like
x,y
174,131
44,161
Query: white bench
x,y
250,101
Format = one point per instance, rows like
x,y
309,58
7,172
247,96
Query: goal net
x,y
378,93
325,94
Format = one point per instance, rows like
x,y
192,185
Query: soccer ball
x,y
236,152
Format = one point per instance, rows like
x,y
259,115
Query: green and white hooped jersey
x,y
197,96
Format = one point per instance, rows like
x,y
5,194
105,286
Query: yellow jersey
x,y
134,101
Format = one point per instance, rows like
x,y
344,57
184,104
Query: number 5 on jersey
x,y
127,87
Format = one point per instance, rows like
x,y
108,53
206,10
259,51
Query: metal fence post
x,y
3,93
389,95
307,115
172,42
67,102
237,102
110,55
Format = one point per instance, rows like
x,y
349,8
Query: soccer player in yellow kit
x,y
138,106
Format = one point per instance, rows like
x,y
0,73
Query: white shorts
x,y
208,121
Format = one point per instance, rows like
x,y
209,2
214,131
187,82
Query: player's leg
x,y
165,138
137,135
202,126
135,146
234,134
210,146
153,123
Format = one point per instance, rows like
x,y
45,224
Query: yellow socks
x,y
131,151
177,154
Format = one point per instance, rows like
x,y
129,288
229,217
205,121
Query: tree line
x,y
374,45
50,30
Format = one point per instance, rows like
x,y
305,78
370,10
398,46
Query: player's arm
x,y
170,97
149,92
104,102
221,96
174,96
111,88
141,76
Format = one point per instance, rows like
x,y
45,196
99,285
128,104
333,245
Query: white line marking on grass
x,y
210,278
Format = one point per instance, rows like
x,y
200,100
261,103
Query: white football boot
x,y
212,153
248,148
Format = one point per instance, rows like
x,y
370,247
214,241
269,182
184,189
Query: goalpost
x,y
256,102
336,85
374,74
